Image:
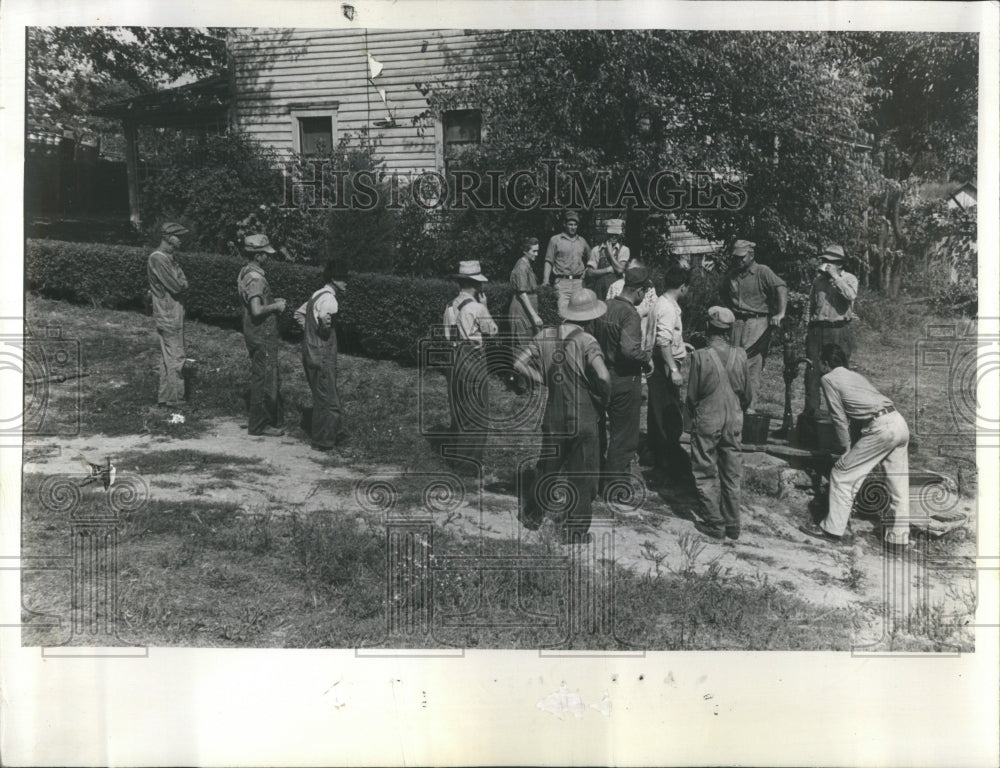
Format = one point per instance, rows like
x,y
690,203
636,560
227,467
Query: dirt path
x,y
284,475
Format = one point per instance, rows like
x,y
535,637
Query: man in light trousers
x,y
884,439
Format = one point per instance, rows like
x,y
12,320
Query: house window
x,y
461,129
314,130
316,135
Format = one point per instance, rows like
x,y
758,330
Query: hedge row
x,y
382,316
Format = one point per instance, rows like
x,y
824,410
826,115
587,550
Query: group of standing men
x,y
168,288
594,362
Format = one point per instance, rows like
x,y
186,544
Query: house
x,y
964,197
301,91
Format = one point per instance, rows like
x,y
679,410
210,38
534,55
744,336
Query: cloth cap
x,y
572,216
171,228
470,270
637,276
832,253
720,317
257,243
743,247
614,226
583,305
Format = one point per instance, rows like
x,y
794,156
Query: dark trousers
x,y
326,401
266,406
665,425
816,337
469,398
718,469
565,480
620,434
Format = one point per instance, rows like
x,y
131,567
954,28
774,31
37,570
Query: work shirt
x,y
752,290
666,331
567,255
648,301
166,283
714,403
250,283
832,298
619,334
565,356
604,254
850,396
472,321
324,307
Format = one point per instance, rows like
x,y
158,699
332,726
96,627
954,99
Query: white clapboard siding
x,y
277,71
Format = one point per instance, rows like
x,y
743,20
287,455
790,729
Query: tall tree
x,y
70,70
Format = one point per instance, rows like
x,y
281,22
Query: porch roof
x,y
203,103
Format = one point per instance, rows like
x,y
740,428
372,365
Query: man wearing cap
x,y
608,260
167,285
260,332
466,321
884,439
719,389
831,312
569,361
664,417
565,259
619,333
319,359
757,297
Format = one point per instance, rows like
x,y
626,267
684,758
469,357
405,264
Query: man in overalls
x,y
719,389
260,331
569,361
319,359
167,285
466,321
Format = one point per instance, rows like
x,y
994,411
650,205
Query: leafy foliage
x,y
70,70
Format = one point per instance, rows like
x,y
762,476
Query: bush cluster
x,y
381,316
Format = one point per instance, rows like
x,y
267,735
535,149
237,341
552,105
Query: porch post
x,y
132,172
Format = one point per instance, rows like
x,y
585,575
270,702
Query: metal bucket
x,y
756,428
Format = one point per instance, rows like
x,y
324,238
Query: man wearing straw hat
x,y
566,258
467,321
757,297
167,285
569,361
831,316
719,388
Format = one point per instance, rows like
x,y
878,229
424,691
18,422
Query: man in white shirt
x,y
664,421
319,359
884,439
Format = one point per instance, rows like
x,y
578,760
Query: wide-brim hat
x,y
470,270
614,226
743,247
583,305
257,244
833,253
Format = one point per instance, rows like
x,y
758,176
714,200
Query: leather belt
x,y
879,414
569,277
829,323
740,315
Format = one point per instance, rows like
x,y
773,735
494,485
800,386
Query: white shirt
x,y
667,328
324,308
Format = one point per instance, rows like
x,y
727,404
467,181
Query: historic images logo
x,y
314,185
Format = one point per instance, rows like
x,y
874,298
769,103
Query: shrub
x,y
382,316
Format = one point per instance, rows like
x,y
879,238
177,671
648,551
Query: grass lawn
x,y
194,569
